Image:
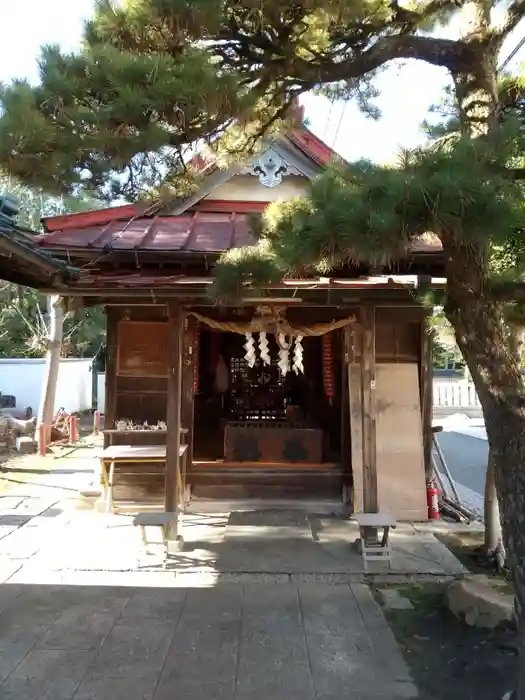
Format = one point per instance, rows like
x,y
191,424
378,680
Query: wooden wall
x,y
401,411
398,335
136,376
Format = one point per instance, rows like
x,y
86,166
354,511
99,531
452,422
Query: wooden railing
x,y
454,393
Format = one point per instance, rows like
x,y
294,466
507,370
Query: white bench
x,y
163,520
375,549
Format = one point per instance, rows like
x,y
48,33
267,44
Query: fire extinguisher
x,y
432,501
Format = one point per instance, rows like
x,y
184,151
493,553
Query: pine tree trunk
x,y
482,338
480,331
493,546
491,511
54,344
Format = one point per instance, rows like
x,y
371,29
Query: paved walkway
x,y
232,641
265,606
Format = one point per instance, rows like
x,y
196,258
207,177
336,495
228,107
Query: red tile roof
x,y
191,232
198,232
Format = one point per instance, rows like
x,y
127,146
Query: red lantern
x,y
196,347
328,366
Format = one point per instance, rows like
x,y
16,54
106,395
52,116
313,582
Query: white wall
x,y
101,389
24,379
246,188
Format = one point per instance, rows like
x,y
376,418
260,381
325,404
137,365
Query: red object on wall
x,y
42,441
433,502
73,429
196,346
328,366
96,422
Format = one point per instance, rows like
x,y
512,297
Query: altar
x,y
277,443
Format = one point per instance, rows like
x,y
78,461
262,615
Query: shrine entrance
x,y
267,414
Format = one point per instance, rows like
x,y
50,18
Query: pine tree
x,y
155,76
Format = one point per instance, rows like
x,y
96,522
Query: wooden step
x,y
261,466
258,482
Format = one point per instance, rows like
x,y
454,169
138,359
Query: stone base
x,y
481,601
26,445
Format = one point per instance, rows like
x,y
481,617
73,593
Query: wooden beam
x,y
425,392
346,452
173,410
188,373
368,394
110,399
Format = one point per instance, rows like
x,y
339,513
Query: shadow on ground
x,y
242,641
447,658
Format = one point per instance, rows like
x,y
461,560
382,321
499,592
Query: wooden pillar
x,y
346,453
173,410
188,375
425,391
368,395
110,400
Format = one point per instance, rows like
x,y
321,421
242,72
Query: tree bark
x,y
493,545
54,344
480,329
482,338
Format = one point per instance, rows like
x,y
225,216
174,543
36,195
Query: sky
x,y
407,91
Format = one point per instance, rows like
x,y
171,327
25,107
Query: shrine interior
x,y
233,396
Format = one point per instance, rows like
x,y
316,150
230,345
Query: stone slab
x,y
115,689
134,650
46,674
273,651
393,600
83,626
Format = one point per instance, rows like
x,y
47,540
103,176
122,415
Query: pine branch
x,y
515,13
412,19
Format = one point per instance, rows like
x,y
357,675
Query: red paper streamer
x,y
328,366
196,358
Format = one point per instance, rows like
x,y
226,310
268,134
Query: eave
x,y
23,261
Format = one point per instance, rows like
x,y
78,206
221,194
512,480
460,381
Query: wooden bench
x,y
123,460
374,549
165,521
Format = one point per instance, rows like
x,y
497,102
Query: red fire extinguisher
x,y
432,501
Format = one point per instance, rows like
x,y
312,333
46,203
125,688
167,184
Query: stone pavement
x,y
265,605
231,641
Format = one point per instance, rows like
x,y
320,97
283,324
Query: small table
x,y
374,550
135,455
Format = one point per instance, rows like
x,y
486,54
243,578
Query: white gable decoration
x,y
270,168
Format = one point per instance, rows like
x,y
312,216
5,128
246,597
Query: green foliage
x,y
240,269
121,117
445,352
369,213
23,324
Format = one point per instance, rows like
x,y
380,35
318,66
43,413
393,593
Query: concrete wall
x,y
24,379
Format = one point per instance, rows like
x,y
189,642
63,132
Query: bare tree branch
x,y
515,13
